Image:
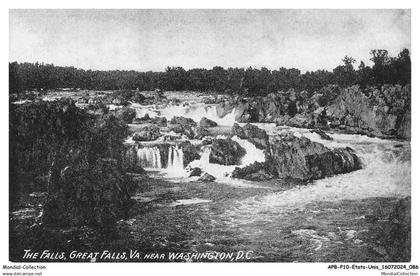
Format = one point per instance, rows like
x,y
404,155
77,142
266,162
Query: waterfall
x,y
149,158
175,167
175,158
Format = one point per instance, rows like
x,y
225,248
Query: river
x,y
333,219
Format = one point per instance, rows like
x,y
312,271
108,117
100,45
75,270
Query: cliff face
x,y
384,112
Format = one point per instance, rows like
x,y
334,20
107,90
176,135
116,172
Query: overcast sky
x,y
153,39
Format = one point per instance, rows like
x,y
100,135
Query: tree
x,y
39,76
345,75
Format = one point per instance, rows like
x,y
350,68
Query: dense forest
x,y
250,81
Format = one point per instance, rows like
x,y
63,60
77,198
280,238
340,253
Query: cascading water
x,y
175,167
223,173
194,111
149,158
386,173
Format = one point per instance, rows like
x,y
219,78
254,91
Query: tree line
x,y
250,81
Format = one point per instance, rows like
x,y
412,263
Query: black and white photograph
x,y
210,136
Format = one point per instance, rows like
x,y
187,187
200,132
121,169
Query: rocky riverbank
x,y
384,112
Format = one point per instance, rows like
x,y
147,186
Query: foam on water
x,y
149,158
195,111
223,173
386,173
175,167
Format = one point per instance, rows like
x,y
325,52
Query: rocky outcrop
x,y
226,152
253,134
184,122
183,126
159,121
126,114
204,122
188,131
302,159
255,172
200,132
207,178
384,112
147,133
195,172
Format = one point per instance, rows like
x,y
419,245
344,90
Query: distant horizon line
x,y
175,66
369,62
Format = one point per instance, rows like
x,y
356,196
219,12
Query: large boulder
x,y
183,126
303,159
301,120
195,172
147,133
255,172
336,161
204,122
183,130
207,178
252,133
183,121
126,114
226,152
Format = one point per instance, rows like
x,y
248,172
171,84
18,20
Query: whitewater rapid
x,y
194,111
386,168
386,172
221,172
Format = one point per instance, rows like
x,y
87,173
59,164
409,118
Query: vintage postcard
x,y
217,135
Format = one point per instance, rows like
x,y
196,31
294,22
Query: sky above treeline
x,y
146,40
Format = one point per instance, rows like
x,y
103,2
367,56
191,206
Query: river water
x,y
327,220
340,218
